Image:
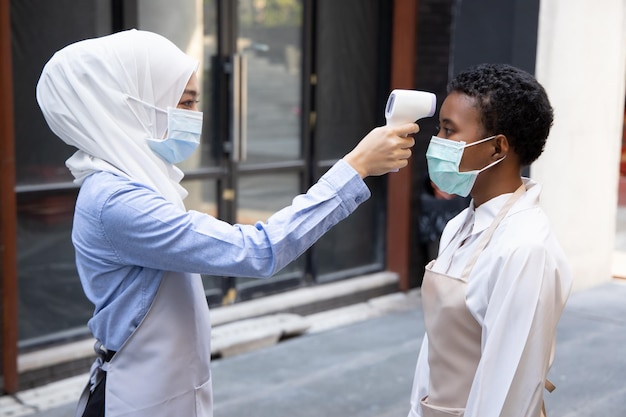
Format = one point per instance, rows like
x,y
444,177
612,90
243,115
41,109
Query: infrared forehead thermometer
x,y
408,106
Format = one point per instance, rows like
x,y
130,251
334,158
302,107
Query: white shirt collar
x,y
484,215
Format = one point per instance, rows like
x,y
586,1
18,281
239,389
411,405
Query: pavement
x,y
359,361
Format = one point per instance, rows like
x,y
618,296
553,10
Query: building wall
x,y
581,62
432,66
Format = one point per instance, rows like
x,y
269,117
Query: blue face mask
x,y
443,157
183,135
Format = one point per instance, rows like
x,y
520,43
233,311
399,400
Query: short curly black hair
x,y
512,103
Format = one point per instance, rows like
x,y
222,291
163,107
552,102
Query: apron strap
x,y
487,236
96,373
550,387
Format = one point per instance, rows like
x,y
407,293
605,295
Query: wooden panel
x,y
399,190
8,213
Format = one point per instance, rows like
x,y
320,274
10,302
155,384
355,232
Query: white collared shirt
x,y
516,291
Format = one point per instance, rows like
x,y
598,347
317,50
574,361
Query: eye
x,y
188,104
446,131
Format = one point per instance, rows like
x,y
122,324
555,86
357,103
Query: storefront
x,y
288,87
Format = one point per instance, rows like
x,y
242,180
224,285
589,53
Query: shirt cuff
x,y
348,183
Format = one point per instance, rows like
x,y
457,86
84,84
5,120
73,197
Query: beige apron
x,y
163,369
454,336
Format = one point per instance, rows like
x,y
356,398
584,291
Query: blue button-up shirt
x,y
126,234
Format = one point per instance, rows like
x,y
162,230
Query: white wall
x,y
581,60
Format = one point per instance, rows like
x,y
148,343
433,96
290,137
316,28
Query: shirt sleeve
x,y
518,336
146,230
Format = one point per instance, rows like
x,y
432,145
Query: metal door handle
x,y
240,108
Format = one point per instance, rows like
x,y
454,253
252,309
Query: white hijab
x,y
84,95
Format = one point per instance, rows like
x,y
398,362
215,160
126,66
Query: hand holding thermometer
x,y
407,106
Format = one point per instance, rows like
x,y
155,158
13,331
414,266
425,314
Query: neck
x,y
494,185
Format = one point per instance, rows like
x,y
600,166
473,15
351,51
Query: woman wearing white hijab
x,y
127,101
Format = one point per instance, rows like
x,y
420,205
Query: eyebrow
x,y
192,93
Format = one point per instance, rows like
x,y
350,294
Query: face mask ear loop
x,y
132,109
153,122
491,164
479,141
138,100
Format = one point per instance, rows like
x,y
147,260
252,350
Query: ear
x,y
500,147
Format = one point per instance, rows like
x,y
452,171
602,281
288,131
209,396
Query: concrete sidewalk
x,y
366,368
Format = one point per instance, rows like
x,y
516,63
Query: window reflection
x,y
51,299
260,196
202,196
270,40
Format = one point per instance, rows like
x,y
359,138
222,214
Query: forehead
x,y
461,109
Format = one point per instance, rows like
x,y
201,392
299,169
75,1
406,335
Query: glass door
x,y
274,123
268,161
251,161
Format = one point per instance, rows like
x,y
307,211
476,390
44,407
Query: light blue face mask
x,y
443,157
184,128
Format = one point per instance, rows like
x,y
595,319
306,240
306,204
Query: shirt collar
x,y
486,212
484,215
